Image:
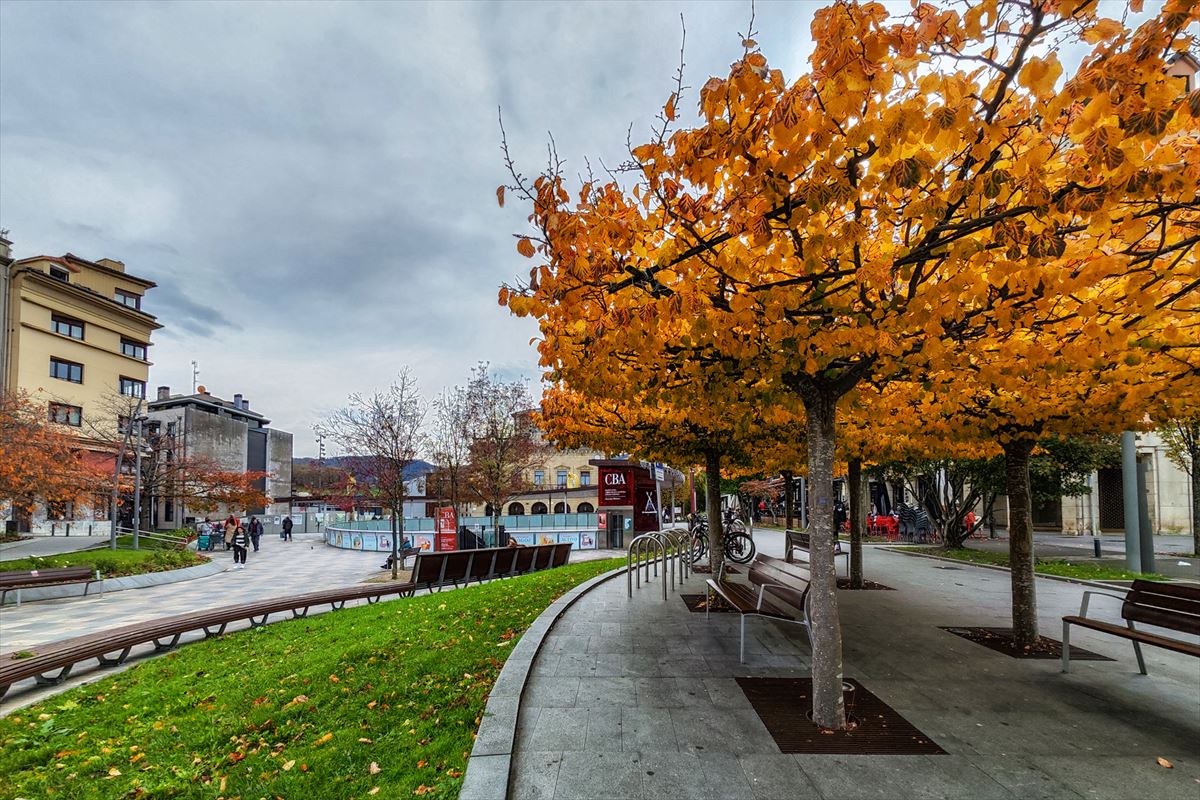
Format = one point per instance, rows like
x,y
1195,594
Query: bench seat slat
x,y
1143,637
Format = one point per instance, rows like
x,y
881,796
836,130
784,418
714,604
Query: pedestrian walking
x,y
241,540
231,525
256,529
286,533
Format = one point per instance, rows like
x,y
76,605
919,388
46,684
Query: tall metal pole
x,y
137,483
1129,487
1146,540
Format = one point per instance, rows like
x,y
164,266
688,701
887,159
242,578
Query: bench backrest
x,y
788,581
484,564
14,577
525,558
562,554
803,541
1167,605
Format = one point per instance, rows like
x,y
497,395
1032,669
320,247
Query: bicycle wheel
x,y
739,548
699,543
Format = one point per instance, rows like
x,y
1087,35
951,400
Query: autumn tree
x,y
385,430
39,461
450,445
910,195
503,440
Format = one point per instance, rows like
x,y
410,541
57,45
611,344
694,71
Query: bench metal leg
x,y
373,600
1066,647
64,673
260,622
336,606
208,634
742,643
158,645
297,614
112,662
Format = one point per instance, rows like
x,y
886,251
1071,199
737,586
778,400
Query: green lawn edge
x,y
385,697
1042,566
111,563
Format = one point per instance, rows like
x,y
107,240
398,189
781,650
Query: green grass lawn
x,y
111,563
1098,571
375,701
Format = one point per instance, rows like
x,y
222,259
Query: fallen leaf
x,y
374,769
113,772
365,740
334,679
323,739
372,704
288,765
1162,762
374,790
423,789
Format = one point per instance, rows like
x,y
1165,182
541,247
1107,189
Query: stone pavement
x,y
637,699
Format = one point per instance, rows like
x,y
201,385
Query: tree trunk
x,y
1195,454
857,522
788,510
1020,541
712,490
397,530
826,632
496,523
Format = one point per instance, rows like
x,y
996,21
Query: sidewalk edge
x,y
490,763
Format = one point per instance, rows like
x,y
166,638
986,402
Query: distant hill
x,y
354,466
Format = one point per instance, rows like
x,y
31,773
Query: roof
x,y
110,304
74,262
205,401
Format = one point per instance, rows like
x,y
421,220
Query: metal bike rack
x,y
649,545
671,546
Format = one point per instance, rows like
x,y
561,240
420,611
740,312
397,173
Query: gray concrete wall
x,y
279,464
220,438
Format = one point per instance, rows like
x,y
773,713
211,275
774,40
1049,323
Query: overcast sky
x,y
312,184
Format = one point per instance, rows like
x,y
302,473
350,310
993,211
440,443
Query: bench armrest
x,y
762,587
1083,607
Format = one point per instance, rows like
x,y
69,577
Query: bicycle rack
x,y
672,546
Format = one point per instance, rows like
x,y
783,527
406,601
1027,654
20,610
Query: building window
x,y
66,415
133,388
66,370
133,349
585,477
562,508
538,508
539,476
561,477
169,511
66,326
60,274
128,299
516,509
171,427
584,508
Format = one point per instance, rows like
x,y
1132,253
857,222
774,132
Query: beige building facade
x,y
564,483
77,340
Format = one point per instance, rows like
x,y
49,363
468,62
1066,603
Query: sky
x,y
312,185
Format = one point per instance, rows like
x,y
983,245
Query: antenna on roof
x,y
195,375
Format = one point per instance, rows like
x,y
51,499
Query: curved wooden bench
x,y
16,580
1174,606
111,647
438,569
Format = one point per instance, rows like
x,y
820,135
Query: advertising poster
x,y
526,539
370,542
385,543
547,538
569,538
602,520
424,541
356,542
587,541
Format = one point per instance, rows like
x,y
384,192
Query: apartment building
x,y
77,339
228,433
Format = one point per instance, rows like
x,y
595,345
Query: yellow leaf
x,y
1103,30
114,772
669,110
323,739
1162,762
374,790
288,765
525,247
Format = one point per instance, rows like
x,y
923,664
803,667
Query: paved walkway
x,y
48,546
636,699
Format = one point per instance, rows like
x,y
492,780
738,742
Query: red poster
x,y
447,529
616,487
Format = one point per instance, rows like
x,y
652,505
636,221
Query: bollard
x,y
1096,545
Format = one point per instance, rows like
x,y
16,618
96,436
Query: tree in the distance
x,y
1183,448
386,429
450,446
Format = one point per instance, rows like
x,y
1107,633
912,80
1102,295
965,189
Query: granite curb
x,y
1114,584
490,763
107,585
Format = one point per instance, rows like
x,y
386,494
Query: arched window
x,y
538,508
516,509
562,508
584,508
488,510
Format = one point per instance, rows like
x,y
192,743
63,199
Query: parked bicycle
x,y
737,544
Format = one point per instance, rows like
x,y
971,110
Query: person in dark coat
x,y
241,540
256,529
286,532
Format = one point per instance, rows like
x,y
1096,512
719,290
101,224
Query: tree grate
x,y
783,705
1001,640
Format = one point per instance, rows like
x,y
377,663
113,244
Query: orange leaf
x,y
500,195
1162,762
525,248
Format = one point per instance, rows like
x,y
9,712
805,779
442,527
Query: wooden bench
x,y
802,541
16,580
111,647
781,579
436,570
1174,606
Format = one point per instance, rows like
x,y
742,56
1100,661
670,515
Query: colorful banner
x,y
569,538
422,540
447,529
616,487
526,539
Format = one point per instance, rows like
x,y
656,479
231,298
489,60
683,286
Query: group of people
x,y
238,537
